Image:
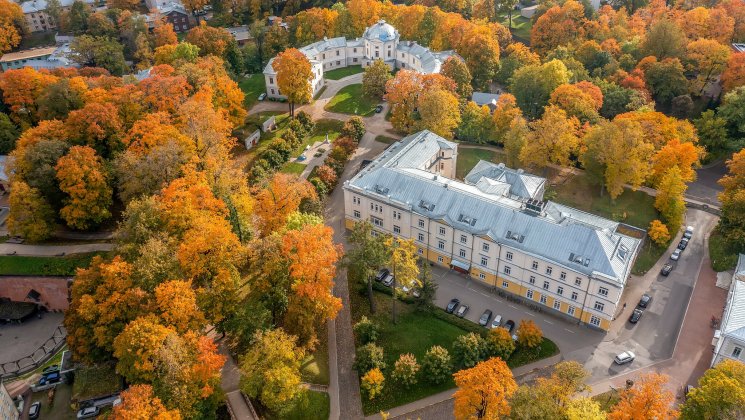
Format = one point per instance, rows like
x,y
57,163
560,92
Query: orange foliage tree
x,y
139,403
210,40
734,75
683,155
98,126
281,196
294,75
21,88
12,25
484,390
560,25
647,399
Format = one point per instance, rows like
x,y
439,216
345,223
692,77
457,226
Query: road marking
x,y
569,330
531,314
483,294
513,307
548,322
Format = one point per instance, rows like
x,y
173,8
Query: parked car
x,y
667,269
688,390
485,317
509,326
262,96
379,109
388,280
636,316
88,412
625,357
50,378
50,369
683,244
34,410
382,274
675,256
461,312
497,321
644,301
688,233
452,305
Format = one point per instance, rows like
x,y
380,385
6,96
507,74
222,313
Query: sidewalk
x,y
52,250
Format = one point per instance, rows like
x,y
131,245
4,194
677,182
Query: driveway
x,y
705,188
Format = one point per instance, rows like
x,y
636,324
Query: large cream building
x,y
495,227
379,42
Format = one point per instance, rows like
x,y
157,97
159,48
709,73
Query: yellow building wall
x,y
432,256
488,280
349,223
604,323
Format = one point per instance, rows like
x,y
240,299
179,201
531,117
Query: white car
x,y
497,321
688,233
675,256
262,96
625,357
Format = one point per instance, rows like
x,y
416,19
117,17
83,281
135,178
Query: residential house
x,y
730,341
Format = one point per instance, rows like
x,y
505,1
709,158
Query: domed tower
x,y
381,40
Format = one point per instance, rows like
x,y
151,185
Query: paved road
x,y
705,188
230,384
52,250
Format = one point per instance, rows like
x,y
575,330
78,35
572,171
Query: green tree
x,y
665,39
455,68
30,215
77,17
720,393
369,356
712,130
375,77
666,79
475,123
532,85
8,134
366,330
405,370
733,111
468,349
436,365
367,255
500,343
403,260
102,52
60,98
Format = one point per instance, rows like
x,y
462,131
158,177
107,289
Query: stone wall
x,y
54,291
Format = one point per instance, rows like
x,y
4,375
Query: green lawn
x,y
252,86
468,158
315,367
312,406
520,26
36,40
608,399
254,122
350,100
722,258
44,266
293,168
343,72
385,139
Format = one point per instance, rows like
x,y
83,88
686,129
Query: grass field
x,y
350,100
468,158
252,86
311,406
315,367
385,139
343,72
607,399
293,168
722,259
44,266
520,26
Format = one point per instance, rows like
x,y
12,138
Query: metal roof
x,y
381,31
733,321
521,184
571,238
40,5
484,98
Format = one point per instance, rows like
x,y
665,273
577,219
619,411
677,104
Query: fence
x,y
37,358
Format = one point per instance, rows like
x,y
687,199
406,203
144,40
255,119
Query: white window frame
x,y
505,284
507,269
595,321
529,294
599,306
575,295
357,214
557,305
508,256
603,291
543,299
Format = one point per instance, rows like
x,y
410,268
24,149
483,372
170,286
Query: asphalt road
x,y
705,188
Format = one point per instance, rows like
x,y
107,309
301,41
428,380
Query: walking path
x,y
52,250
230,383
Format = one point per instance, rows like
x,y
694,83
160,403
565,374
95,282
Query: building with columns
x,y
495,227
379,42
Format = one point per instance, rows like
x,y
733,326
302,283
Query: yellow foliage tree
x,y
647,399
12,25
669,200
83,178
30,215
658,232
552,139
529,334
138,346
294,75
403,260
484,390
139,403
439,112
372,383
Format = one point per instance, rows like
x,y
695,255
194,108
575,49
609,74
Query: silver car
x,y
675,256
625,357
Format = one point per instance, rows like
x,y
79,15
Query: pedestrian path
x,y
52,250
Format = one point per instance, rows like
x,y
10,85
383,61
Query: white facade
x,y
731,342
495,227
8,409
379,42
36,17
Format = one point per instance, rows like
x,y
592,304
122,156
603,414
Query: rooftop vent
x,y
515,236
520,171
577,259
471,221
500,165
426,205
535,206
623,252
381,190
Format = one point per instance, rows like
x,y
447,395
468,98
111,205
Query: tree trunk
x,y
510,16
370,294
292,110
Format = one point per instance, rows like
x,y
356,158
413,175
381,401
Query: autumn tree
x,y
617,154
374,78
405,370
456,69
720,393
403,91
372,383
532,85
648,398
280,197
270,370
658,232
518,56
437,365
670,198
164,34
552,139
139,403
403,262
84,180
683,155
560,25
208,246
734,74
439,112
97,126
31,216
12,25
194,6
21,88
209,40
576,103
366,330
708,59
367,254
665,39
176,305
666,79
529,335
549,397
499,343
584,408
98,51
294,75
484,390
468,349
62,97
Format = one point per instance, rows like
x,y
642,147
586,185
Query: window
x,y
396,229
271,80
442,230
509,256
570,310
574,295
357,214
324,56
441,244
507,269
529,294
557,305
595,321
563,275
421,223
354,50
599,306
272,91
462,253
485,247
535,265
389,53
421,251
396,215
337,53
532,280
560,290
505,284
420,237
736,352
338,63
377,222
442,166
543,299
578,281
482,276
484,261
549,270
463,239
439,259
603,291
356,200
354,59
545,285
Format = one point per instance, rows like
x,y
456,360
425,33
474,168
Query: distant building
x,y
730,343
738,47
488,99
37,18
240,34
38,58
173,11
8,409
528,12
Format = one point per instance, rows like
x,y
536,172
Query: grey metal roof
x,y
733,321
569,238
521,184
39,5
484,98
381,31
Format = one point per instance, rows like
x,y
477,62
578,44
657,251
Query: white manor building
x,y
379,42
729,341
495,227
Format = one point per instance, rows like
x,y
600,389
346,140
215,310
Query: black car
x,y
379,109
509,325
485,317
34,410
644,301
452,305
666,269
381,274
635,316
683,244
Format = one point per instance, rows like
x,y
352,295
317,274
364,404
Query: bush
x,y
272,158
321,189
366,330
327,175
405,370
347,144
658,233
372,383
529,335
369,356
436,365
306,122
354,128
291,138
499,343
282,147
468,349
